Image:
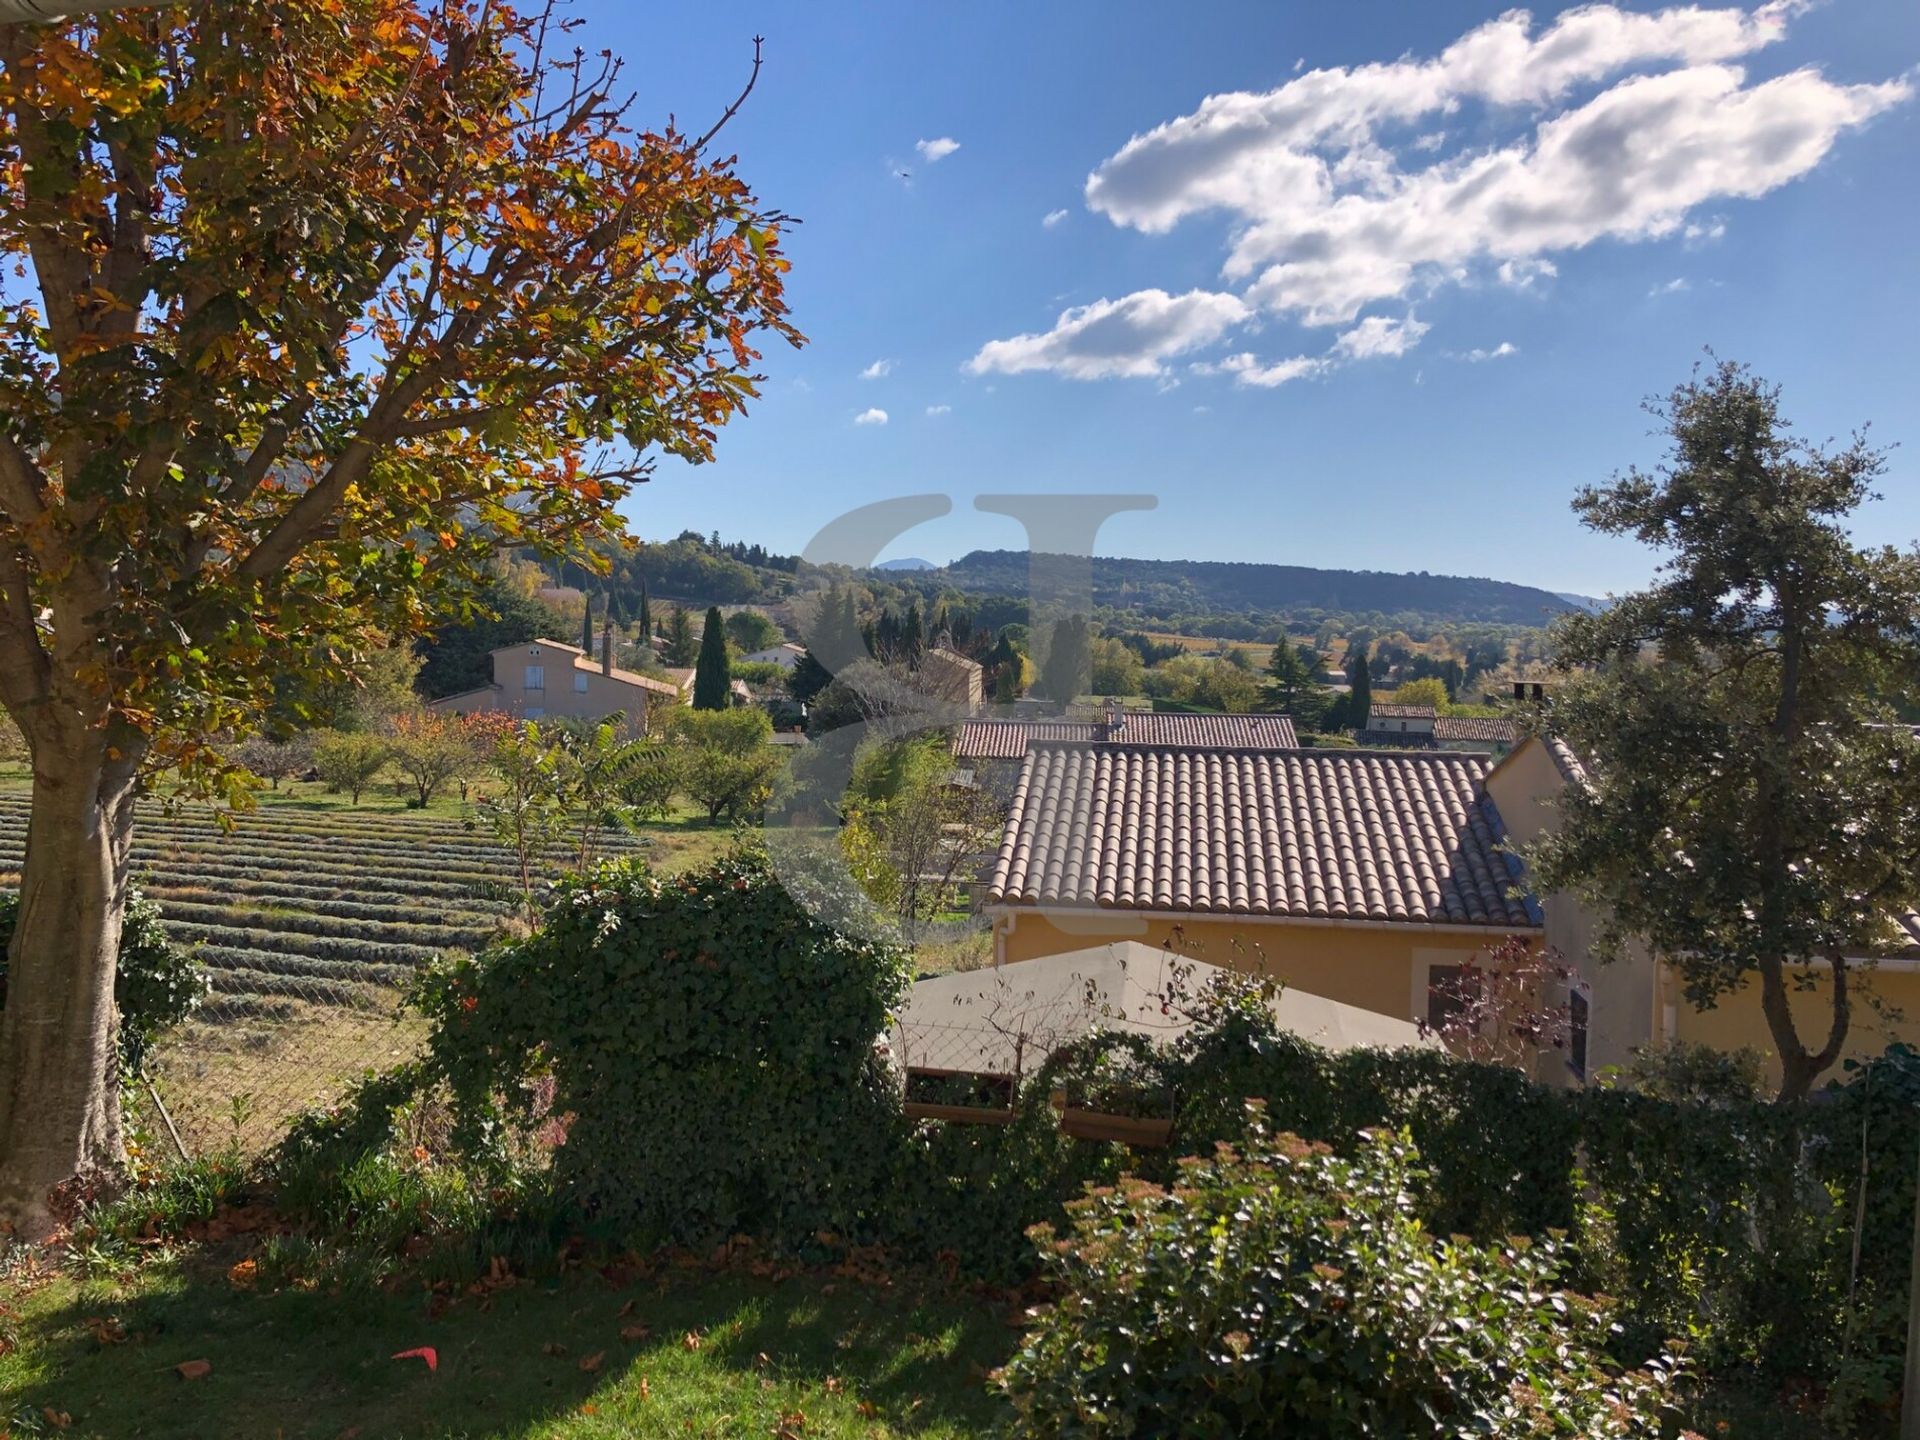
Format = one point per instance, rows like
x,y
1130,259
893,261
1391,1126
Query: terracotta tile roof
x,y
1324,834
1009,739
1571,767
1234,732
1494,728
1403,712
627,677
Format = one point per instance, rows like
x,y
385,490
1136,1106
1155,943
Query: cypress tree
x,y
586,626
713,674
646,614
912,636
680,644
1360,698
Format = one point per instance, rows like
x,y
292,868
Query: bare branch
x,y
741,99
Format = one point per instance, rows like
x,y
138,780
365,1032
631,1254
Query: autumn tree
x,y
1753,811
320,304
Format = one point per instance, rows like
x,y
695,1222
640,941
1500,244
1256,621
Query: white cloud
x,y
1498,352
878,370
1675,286
934,150
1703,232
1431,142
1132,336
1379,335
1333,206
873,416
1523,274
1053,218
1247,369
934,410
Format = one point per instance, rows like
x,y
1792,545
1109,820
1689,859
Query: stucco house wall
x,y
569,687
1638,1002
1383,968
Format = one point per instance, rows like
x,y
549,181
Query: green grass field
x,y
721,1355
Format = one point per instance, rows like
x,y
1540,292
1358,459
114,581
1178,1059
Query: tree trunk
x,y
59,1091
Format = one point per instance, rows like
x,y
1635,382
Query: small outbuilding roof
x,y
1007,1020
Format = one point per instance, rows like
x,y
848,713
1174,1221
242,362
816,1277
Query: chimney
x,y
1116,717
606,649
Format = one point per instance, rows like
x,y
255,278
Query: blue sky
x,y
1283,311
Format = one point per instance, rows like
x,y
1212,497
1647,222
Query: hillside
x,y
1161,587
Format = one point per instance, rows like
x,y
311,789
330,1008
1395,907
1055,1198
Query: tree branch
x,y
23,485
741,99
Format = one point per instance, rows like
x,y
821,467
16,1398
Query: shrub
x,y
708,1047
156,985
1282,1290
349,760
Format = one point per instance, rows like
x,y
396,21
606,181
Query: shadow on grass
x,y
722,1354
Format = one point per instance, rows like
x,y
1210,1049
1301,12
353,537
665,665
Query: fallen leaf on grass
x,y
194,1369
425,1352
553,1347
591,1363
693,1340
106,1329
868,1410
636,1333
646,1391
791,1427
58,1419
243,1274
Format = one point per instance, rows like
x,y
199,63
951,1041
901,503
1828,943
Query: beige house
x,y
1637,1002
1360,876
948,675
542,678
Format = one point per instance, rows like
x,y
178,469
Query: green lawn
x,y
724,1355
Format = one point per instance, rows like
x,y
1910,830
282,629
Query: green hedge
x,y
705,1047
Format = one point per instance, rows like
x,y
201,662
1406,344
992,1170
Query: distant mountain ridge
x,y
908,562
1164,587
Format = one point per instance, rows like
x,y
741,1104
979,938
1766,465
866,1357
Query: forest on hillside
x,y
1167,590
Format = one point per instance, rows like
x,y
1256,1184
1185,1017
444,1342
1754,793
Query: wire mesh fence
x,y
311,918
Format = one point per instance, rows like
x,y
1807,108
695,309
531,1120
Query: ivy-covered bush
x,y
700,1046
156,985
1280,1289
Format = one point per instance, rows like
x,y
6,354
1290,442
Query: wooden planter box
x,y
1144,1131
995,1114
